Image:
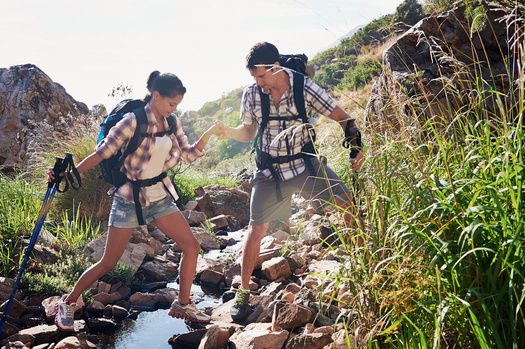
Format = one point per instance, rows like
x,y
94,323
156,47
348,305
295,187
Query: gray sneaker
x,y
240,307
65,316
188,312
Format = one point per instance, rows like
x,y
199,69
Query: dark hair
x,y
166,84
262,53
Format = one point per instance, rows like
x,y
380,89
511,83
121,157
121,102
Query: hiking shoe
x,y
188,312
65,316
240,306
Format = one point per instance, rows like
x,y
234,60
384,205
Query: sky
x,y
91,46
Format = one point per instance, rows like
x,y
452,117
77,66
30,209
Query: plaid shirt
x,y
119,137
316,100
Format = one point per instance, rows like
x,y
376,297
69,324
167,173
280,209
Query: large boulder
x,y
33,109
439,64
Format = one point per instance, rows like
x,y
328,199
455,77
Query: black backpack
x,y
297,63
110,168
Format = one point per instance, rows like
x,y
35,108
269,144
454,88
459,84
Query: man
x,y
283,152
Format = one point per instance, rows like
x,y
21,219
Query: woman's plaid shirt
x,y
119,137
316,100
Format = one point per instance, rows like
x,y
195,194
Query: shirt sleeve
x,y
249,105
118,136
188,152
317,98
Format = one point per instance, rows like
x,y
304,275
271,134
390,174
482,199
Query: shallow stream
x,y
153,329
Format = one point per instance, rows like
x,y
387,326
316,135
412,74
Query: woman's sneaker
x,y
240,306
65,316
187,312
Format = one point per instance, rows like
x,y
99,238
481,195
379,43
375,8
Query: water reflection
x,y
153,329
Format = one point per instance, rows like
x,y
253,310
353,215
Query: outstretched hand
x,y
219,129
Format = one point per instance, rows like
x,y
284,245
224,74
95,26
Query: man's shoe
x,y
188,312
240,306
65,316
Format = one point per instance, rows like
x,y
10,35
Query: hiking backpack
x,y
111,168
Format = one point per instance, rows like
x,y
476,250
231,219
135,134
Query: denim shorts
x,y
123,214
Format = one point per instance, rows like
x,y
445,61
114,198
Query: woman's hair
x,y
166,84
262,53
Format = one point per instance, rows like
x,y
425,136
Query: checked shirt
x,y
316,100
119,137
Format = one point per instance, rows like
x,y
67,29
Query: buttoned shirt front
x,y
273,141
119,137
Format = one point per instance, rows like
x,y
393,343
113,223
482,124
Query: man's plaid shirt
x,y
316,100
119,137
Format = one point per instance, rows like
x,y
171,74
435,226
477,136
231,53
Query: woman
x,y
154,156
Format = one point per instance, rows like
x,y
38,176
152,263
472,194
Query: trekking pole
x,y
61,165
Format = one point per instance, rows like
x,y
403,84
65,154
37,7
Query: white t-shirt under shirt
x,y
158,157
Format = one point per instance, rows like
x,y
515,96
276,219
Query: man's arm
x,y
342,119
243,133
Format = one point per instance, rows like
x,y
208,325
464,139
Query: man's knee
x,y
256,232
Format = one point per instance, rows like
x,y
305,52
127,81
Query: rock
x,y
6,288
143,300
132,257
422,65
158,270
221,200
230,271
43,333
194,218
309,341
17,308
26,339
79,342
204,238
258,339
189,339
119,313
288,316
216,337
99,324
219,222
33,108
212,277
275,268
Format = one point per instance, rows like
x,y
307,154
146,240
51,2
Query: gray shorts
x,y
265,207
123,214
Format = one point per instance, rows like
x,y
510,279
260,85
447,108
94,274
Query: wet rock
x,y
189,339
216,337
119,313
99,324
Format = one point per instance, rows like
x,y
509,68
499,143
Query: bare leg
x,y
250,252
176,227
116,243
